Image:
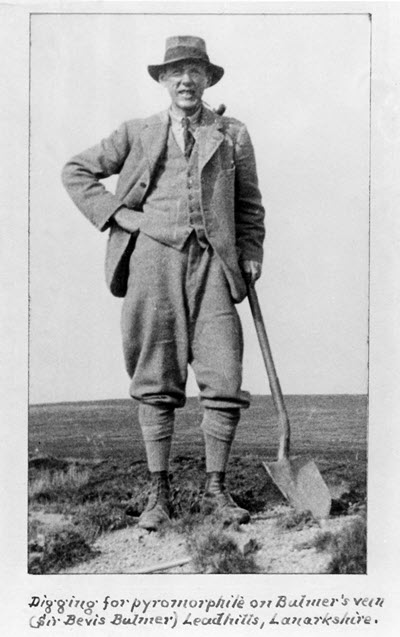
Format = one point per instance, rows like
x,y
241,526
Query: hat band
x,y
181,52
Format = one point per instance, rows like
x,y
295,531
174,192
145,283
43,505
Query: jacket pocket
x,y
227,172
136,194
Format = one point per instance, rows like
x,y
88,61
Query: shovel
x,y
299,479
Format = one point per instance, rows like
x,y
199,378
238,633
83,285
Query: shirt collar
x,y
194,120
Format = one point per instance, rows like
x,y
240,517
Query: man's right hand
x,y
127,219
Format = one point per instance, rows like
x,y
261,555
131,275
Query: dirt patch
x,y
274,549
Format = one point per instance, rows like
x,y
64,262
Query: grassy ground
x,y
87,470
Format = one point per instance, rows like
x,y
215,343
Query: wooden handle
x,y
276,392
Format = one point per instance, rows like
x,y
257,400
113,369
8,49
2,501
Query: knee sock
x,y
157,423
217,453
157,453
219,428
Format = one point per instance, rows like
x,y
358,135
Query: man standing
x,y
186,228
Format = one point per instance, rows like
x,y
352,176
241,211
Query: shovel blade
x,y
302,485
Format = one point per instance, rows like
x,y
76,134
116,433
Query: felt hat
x,y
186,47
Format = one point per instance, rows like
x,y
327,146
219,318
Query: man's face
x,y
185,82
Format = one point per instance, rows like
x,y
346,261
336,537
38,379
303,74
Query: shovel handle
x,y
276,392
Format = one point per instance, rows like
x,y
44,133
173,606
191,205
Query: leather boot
x,y
218,501
158,509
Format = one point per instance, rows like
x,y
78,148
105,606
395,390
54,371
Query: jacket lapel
x,y
154,138
155,131
209,137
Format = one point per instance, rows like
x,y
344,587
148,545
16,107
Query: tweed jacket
x,y
230,197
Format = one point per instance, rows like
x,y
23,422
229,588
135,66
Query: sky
x,y
301,85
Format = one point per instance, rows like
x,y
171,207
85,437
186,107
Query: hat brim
x,y
216,71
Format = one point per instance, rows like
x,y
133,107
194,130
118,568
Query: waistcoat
x,y
172,210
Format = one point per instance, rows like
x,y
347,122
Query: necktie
x,y
187,137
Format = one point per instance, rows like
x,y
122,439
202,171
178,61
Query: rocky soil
x,y
274,548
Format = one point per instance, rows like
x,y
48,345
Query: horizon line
x,y
110,400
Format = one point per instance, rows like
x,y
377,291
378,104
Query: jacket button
x,y
142,184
